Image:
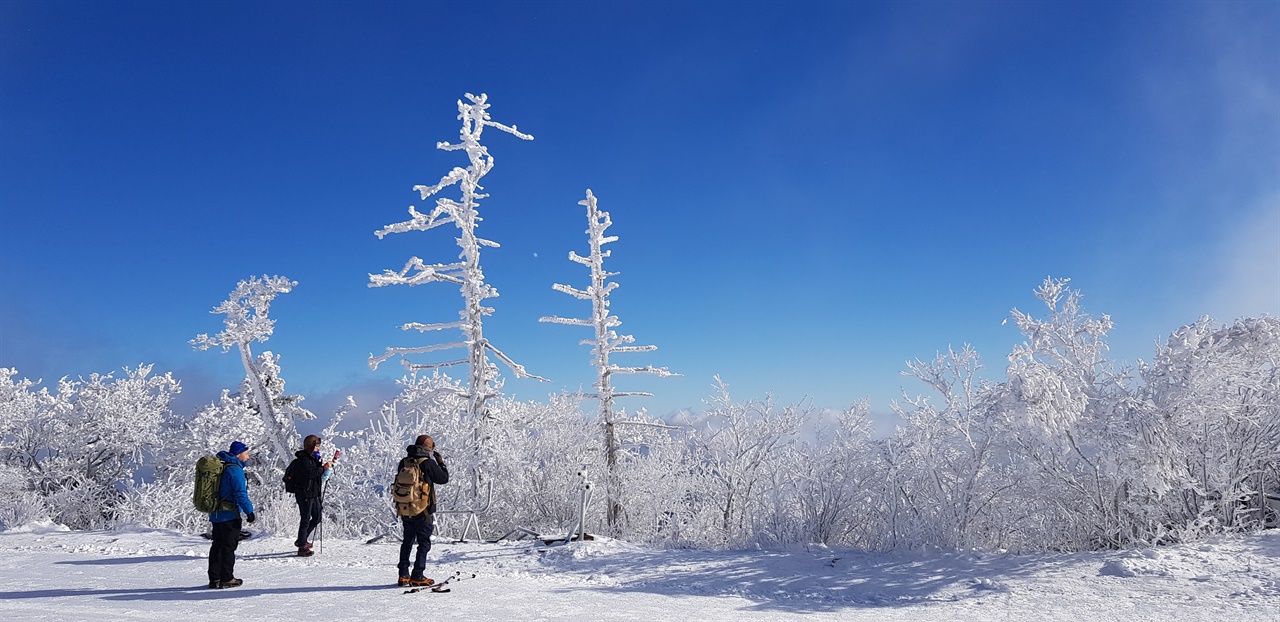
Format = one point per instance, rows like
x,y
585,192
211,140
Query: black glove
x,y
439,460
250,517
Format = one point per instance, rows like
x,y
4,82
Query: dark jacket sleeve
x,y
434,471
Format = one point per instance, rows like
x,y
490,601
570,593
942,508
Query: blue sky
x,y
806,194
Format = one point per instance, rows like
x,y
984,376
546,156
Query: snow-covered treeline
x,y
1065,452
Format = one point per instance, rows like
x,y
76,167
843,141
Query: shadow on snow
x,y
108,561
800,581
201,592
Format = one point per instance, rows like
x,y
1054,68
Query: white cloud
x,y
1248,273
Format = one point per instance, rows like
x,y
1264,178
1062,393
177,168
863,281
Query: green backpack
x,y
208,481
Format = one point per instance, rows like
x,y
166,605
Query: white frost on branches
x,y
1218,391
606,341
466,273
247,321
68,454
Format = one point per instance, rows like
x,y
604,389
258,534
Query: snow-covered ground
x,y
53,574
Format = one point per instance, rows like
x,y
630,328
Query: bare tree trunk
x,y
266,409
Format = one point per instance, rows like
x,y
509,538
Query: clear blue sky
x,y
808,194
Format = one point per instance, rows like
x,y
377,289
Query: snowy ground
x,y
49,574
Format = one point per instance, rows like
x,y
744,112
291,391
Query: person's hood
x,y
302,453
418,451
229,457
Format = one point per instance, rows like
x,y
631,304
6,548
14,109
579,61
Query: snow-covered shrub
x,y
19,504
1217,390
537,452
829,488
655,480
164,504
79,448
736,456
1075,430
949,474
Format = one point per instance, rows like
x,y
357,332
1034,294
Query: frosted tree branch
x,y
374,361
564,320
515,367
422,328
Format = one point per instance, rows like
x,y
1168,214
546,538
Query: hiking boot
x,y
402,582
231,583
423,582
305,552
214,585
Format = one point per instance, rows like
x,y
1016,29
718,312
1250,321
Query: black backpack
x,y
293,480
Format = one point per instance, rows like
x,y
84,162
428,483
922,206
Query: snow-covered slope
x,y
53,574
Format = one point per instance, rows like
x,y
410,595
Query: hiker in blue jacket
x,y
226,523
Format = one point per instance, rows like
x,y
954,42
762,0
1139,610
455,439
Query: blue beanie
x,y
238,448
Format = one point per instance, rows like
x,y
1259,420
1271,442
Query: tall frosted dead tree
x,y
246,322
606,341
465,273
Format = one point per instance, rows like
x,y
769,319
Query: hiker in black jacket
x,y
418,527
308,475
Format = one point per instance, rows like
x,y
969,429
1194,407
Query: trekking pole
x,y
324,487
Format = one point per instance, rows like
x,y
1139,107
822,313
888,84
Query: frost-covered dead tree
x,y
247,321
606,341
465,273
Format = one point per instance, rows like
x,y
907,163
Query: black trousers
x,y
416,529
222,553
309,515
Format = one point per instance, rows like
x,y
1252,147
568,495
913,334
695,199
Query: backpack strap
x,y
226,501
431,487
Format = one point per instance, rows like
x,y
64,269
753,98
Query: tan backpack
x,y
411,493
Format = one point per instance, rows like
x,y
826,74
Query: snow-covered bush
x,y
1065,453
830,491
949,473
1217,389
655,481
79,448
737,454
538,451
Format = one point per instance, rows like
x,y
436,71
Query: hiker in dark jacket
x,y
418,528
310,474
226,523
